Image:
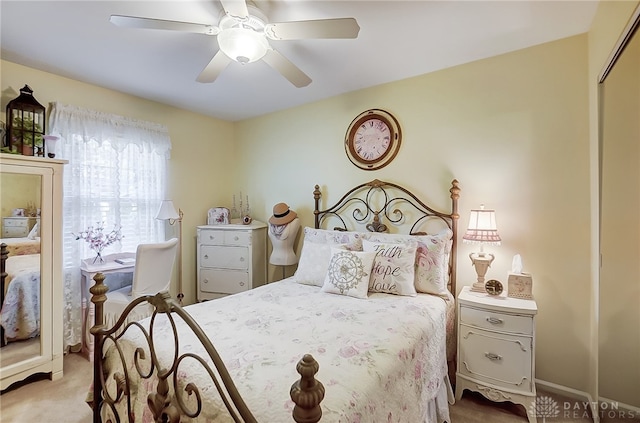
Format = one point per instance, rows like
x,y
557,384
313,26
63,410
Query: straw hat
x,y
282,214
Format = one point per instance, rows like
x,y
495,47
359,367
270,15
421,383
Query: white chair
x,y
152,274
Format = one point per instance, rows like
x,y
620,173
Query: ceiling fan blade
x,y
214,68
149,23
235,8
286,68
321,28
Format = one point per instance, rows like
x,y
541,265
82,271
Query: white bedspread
x,y
20,314
381,359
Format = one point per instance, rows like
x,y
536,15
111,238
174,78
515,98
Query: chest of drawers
x,y
231,258
17,227
496,348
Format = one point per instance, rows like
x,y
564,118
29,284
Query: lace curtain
x,y
116,176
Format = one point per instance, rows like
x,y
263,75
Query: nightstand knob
x,y
241,283
205,280
207,256
492,356
241,259
235,238
495,320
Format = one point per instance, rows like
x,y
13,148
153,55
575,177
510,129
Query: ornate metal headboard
x,y
378,206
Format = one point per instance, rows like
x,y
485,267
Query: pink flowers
x,y
97,239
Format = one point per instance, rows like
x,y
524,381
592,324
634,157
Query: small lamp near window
x,y
167,211
25,124
482,230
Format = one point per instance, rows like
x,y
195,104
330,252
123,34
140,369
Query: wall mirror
x,y
619,296
22,315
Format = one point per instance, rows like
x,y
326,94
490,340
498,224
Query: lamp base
x,y
478,287
481,262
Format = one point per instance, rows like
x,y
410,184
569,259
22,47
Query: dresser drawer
x,y
223,281
220,237
14,231
492,320
17,223
224,257
496,358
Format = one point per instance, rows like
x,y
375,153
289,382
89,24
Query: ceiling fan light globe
x,y
242,44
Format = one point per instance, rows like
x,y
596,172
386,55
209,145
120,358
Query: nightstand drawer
x,y
223,281
495,358
224,257
492,320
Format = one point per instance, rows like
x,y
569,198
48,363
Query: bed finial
x,y
307,393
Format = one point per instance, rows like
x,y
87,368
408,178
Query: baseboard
x,y
614,405
584,399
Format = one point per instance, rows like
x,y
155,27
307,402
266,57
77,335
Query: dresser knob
x,y
241,283
206,256
205,280
492,356
495,320
210,236
236,238
241,258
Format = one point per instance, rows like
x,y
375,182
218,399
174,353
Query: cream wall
x,y
513,129
201,146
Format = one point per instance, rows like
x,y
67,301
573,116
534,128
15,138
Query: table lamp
x,y
482,230
167,211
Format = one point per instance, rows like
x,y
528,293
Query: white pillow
x,y
334,237
432,259
349,273
313,263
393,270
35,231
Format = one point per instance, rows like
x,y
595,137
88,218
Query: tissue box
x,y
519,285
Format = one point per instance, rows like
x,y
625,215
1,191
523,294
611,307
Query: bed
x,y
383,351
19,289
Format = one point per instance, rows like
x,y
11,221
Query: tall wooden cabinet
x,y
43,353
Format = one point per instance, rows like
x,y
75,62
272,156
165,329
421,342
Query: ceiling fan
x,y
243,34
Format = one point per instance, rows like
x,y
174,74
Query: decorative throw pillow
x,y
432,259
393,270
349,273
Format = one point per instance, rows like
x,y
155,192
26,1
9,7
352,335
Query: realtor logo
x,y
544,407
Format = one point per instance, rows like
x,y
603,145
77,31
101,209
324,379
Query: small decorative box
x,y
519,285
218,216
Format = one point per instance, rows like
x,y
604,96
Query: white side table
x,y
87,271
496,348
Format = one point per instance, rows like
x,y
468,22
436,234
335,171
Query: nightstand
x,y
17,227
496,348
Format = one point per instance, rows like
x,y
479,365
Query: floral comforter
x,y
381,359
20,314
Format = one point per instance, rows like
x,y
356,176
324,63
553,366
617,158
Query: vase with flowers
x,y
98,240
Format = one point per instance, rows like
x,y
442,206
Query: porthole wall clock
x,y
373,139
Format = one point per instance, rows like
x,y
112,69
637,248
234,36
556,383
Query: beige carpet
x,y
42,400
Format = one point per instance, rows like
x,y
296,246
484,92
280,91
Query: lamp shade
x,y
167,211
482,227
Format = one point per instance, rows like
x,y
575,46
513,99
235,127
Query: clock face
x,y
493,287
372,139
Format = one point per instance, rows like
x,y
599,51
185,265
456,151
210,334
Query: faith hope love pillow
x,y
393,268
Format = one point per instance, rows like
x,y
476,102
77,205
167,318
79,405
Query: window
x,y
116,176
